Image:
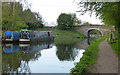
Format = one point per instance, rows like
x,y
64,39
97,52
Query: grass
x,y
67,36
115,46
89,58
115,43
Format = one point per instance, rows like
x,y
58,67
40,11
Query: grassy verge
x,y
88,59
115,46
67,36
115,43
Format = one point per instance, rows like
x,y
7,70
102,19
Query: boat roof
x,y
24,30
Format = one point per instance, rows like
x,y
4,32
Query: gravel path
x,y
107,61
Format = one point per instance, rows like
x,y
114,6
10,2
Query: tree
x,y
66,21
39,20
32,19
16,18
108,12
12,18
77,22
86,23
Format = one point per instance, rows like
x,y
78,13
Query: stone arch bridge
x,y
86,28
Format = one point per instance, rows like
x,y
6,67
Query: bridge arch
x,y
86,28
90,29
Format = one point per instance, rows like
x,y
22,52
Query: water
x,y
43,57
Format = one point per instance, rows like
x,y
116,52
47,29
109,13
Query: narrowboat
x,y
24,36
10,36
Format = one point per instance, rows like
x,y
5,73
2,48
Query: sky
x,y
51,9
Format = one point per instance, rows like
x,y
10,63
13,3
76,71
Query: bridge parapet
x,y
85,28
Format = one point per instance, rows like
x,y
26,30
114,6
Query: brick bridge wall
x,y
85,28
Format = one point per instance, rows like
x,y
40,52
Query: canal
x,y
41,57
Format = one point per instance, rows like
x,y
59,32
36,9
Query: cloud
x,y
51,9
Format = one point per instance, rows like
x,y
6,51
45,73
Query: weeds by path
x,y
89,58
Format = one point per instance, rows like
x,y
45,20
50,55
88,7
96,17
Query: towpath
x,y
107,61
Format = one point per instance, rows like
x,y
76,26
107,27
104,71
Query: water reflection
x,y
92,35
90,40
66,52
43,57
14,55
9,48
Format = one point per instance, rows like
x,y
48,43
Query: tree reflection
x,y
24,67
66,52
11,62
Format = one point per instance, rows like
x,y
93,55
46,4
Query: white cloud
x,y
51,9
91,19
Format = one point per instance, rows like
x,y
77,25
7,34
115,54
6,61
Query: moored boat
x,y
24,40
10,37
24,36
7,40
7,37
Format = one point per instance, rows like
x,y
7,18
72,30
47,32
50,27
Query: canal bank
x,y
89,58
99,57
44,57
63,53
115,46
68,36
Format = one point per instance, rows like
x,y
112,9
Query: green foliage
x,y
66,52
13,60
33,20
65,41
16,18
95,32
88,59
86,23
66,21
77,22
12,18
115,44
108,12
